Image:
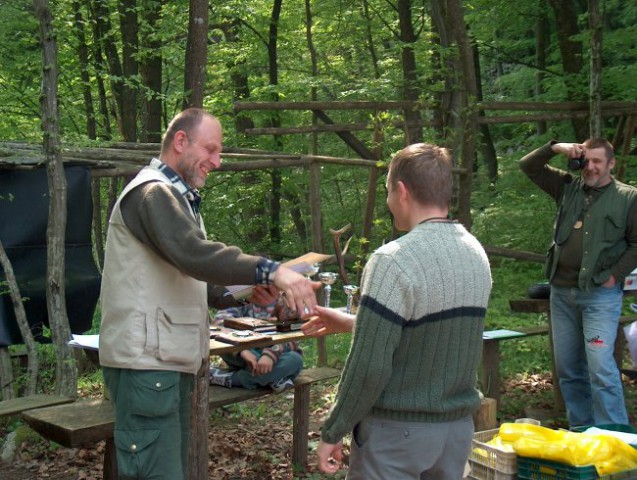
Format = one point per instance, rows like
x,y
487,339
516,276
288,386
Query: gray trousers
x,y
392,450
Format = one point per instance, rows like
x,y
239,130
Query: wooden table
x,y
200,401
218,348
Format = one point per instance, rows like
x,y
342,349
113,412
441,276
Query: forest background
x,y
558,69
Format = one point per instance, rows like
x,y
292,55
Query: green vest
x,y
604,235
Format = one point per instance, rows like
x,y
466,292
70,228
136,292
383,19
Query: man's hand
x,y
264,295
610,283
327,451
571,150
328,321
299,291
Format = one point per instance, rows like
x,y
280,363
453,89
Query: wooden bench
x,y
87,422
490,370
15,406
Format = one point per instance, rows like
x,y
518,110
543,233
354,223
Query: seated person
x,y
276,366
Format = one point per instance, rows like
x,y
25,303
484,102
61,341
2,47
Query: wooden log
x,y
516,254
486,418
354,105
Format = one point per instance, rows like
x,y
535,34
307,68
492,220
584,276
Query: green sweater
x,y
418,333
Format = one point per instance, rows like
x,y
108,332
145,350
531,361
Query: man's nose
x,y
215,160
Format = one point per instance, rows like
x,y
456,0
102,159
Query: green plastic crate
x,y
538,469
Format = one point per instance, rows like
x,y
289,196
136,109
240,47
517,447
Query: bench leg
x,y
301,425
110,460
490,375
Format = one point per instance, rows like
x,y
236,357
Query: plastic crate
x,y
491,463
537,469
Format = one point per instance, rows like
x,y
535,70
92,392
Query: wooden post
x,y
199,420
317,238
486,417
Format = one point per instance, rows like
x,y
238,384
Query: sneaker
x,y
219,376
281,384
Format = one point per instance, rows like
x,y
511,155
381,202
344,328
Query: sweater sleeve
x,y
159,218
376,336
536,166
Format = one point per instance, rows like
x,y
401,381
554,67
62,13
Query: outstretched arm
x,y
328,321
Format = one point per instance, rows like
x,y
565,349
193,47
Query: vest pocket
x,y
178,335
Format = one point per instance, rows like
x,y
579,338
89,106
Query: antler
x,y
340,254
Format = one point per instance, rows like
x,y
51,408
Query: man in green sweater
x,y
408,389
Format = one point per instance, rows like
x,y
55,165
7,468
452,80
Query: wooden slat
x,y
18,405
219,396
84,422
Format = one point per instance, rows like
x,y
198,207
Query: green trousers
x,y
152,422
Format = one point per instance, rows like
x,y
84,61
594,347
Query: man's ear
x,y
180,141
403,192
611,163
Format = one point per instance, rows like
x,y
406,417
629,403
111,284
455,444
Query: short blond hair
x,y
425,169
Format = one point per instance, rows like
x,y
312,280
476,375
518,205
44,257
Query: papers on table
x,y
503,333
89,342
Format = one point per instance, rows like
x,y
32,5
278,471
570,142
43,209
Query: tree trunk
x,y
273,70
408,38
196,54
257,228
566,15
82,53
129,29
33,365
489,155
66,371
542,40
104,32
100,68
461,77
596,27
369,39
150,70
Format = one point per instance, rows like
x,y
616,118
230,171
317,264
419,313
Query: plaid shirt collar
x,y
189,193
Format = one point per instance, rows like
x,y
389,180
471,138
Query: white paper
x,y
90,342
629,438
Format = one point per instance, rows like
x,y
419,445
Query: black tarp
x,y
24,211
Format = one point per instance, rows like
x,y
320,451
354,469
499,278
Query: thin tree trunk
x,y
408,38
150,70
487,147
82,53
129,29
542,40
66,370
369,38
273,72
104,30
596,26
33,365
463,123
566,15
101,69
196,54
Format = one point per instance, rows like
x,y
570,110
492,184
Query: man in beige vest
x,y
160,275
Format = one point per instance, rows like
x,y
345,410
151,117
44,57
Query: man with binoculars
x,y
594,247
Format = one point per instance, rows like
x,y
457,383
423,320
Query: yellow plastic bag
x,y
608,454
